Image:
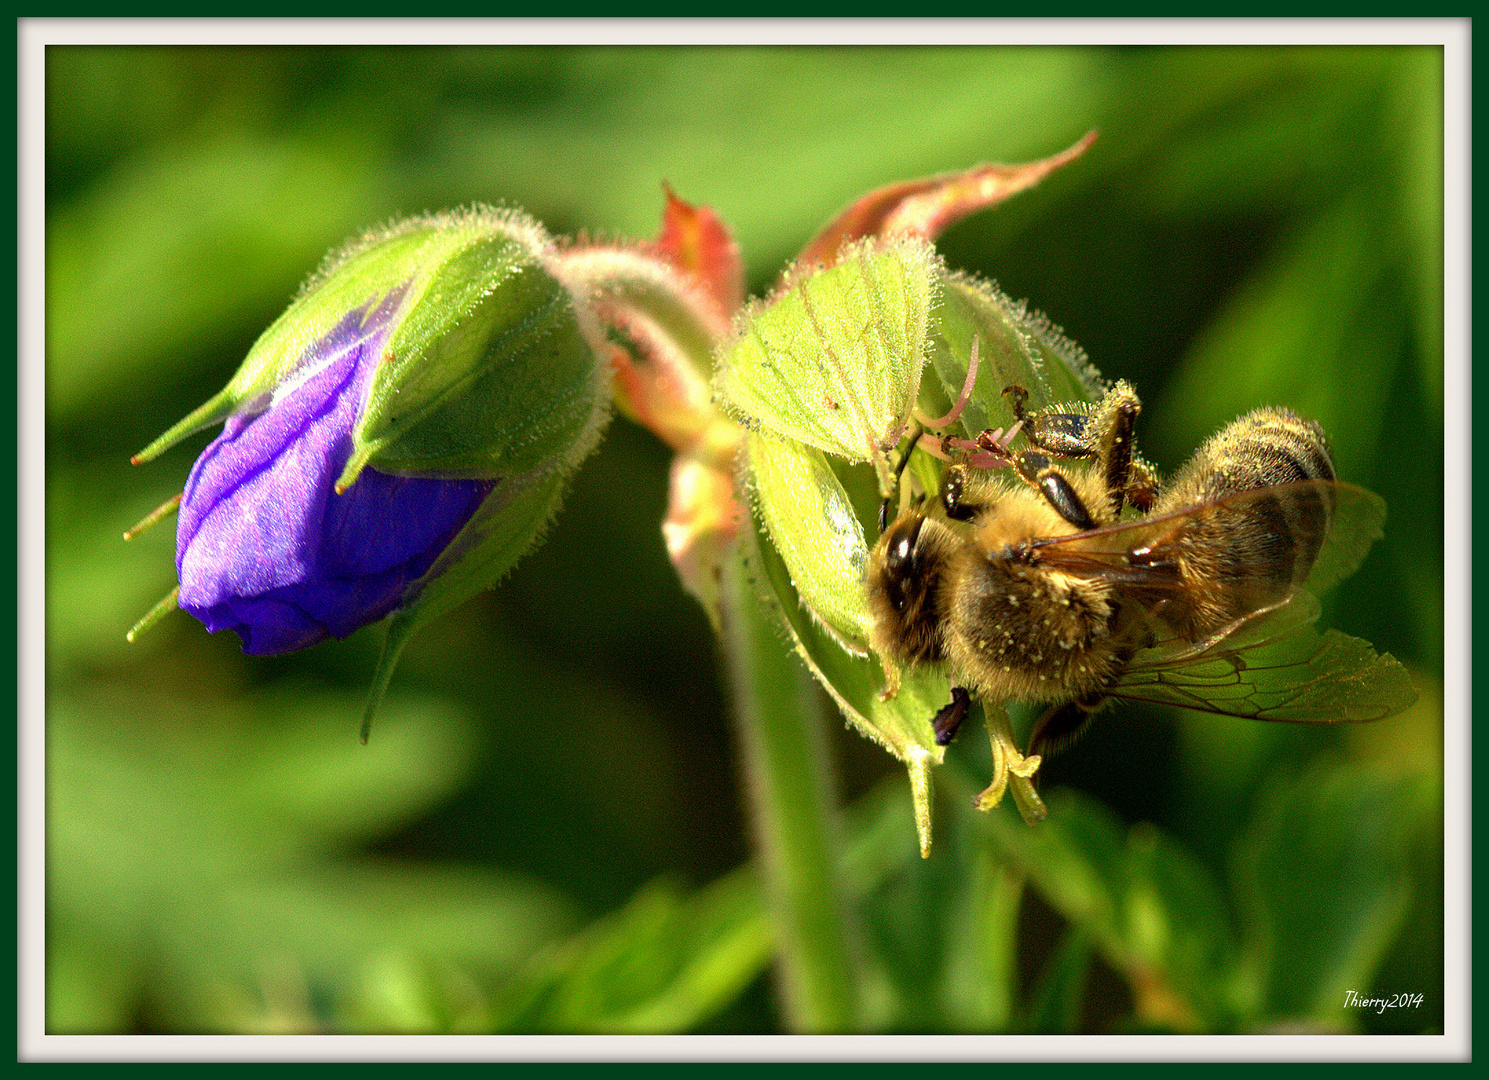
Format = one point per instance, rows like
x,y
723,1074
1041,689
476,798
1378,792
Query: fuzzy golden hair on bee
x,y
1076,577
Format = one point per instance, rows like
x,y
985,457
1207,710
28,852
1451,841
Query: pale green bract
x,y
489,370
835,360
1016,346
494,368
792,482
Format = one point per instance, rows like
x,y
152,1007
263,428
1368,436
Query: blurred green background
x,y
547,831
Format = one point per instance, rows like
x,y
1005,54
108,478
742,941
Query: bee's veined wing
x,y
1142,557
1272,666
1268,664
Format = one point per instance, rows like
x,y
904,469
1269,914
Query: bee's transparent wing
x,y
1272,666
1144,558
1357,521
1255,630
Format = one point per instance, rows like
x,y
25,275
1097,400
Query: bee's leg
x,y
1142,485
1111,435
1063,434
1036,470
1062,725
1112,431
1107,433
954,495
949,720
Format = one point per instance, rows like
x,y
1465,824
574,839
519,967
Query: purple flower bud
x,y
264,545
393,443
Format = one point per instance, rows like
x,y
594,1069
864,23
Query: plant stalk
x,y
789,776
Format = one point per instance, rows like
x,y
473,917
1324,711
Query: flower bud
x,y
264,544
395,441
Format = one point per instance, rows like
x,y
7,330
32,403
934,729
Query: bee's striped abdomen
x,y
1261,449
1253,549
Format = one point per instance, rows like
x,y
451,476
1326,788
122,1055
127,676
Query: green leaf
x,y
943,931
204,871
1324,880
89,568
665,962
1055,1003
93,979
1150,908
980,978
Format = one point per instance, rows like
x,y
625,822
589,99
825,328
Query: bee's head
x,y
903,581
901,559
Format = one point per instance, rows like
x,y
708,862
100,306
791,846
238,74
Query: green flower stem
x,y
788,772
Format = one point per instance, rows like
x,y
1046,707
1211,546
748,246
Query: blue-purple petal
x,y
266,548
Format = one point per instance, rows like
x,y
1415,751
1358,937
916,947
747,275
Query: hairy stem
x,y
795,814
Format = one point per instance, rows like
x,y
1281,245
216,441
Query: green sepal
x,y
1016,347
492,368
902,724
214,411
488,365
360,275
508,525
400,629
834,361
812,525
163,607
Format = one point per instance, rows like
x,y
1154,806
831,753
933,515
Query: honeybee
x,y
1043,591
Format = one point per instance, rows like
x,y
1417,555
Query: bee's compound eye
x,y
900,556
